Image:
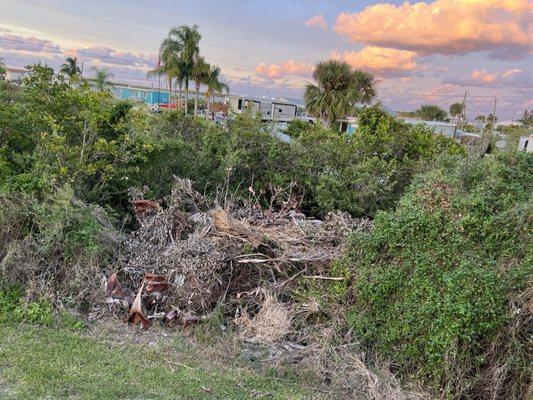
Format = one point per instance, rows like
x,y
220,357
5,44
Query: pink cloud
x,y
512,78
502,27
384,62
290,67
317,21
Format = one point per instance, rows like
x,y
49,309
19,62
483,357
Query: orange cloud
x,y
290,67
482,75
382,61
502,27
317,21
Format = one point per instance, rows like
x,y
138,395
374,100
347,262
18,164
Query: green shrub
x,y
13,308
434,279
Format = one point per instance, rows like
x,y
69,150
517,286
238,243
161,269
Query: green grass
x,y
38,362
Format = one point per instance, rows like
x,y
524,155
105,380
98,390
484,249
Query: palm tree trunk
x,y
213,103
196,99
180,92
169,91
186,96
207,104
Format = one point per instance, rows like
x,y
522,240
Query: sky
x,y
420,52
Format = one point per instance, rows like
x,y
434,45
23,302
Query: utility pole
x,y
494,111
464,106
81,69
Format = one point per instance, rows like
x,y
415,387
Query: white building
x,y
270,110
14,74
442,128
525,143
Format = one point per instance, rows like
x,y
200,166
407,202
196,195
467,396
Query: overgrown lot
x,y
433,288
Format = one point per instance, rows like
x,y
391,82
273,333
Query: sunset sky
x,y
421,52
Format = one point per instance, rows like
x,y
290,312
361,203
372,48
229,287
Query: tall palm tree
x,y
70,67
2,68
103,79
200,75
338,88
214,85
183,43
171,68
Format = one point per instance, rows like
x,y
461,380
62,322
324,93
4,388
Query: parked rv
x,y
270,110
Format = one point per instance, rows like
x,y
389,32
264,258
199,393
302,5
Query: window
x,y
239,106
525,144
280,110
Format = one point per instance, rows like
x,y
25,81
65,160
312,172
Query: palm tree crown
x,y
70,67
200,75
338,88
102,79
182,46
214,85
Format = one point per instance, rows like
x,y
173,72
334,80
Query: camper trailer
x,y
270,110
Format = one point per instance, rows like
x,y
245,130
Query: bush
x,y
440,282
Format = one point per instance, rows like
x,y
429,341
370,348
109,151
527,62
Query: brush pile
x,y
242,258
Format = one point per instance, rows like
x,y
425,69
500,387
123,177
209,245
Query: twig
x,y
329,278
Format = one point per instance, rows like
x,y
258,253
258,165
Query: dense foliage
x,y
441,283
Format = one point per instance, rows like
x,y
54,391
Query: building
x,y
441,128
14,74
140,94
525,143
348,125
270,110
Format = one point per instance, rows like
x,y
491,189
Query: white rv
x,y
270,110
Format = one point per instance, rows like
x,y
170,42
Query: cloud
x,y
290,67
317,21
502,27
18,43
384,62
510,78
111,56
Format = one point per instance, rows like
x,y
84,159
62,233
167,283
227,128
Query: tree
x,y
70,67
338,88
200,75
170,67
102,79
181,47
456,110
527,118
214,85
491,119
480,119
2,69
431,112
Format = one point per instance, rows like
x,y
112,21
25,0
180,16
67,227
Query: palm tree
x,y
70,67
456,110
481,120
182,44
2,69
102,79
171,68
214,85
338,89
200,75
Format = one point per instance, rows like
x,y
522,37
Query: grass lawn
x,y
39,362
